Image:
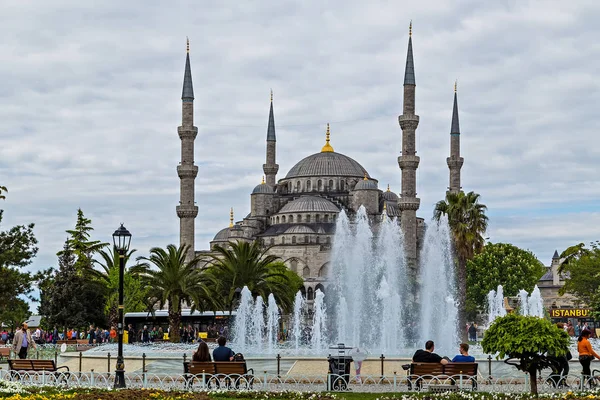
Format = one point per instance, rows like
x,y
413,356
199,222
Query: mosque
x,y
295,215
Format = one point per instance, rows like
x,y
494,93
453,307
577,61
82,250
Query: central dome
x,y
327,164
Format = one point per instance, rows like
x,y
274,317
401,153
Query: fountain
x,y
272,322
495,304
529,304
299,304
318,338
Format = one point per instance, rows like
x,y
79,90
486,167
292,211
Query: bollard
x,y
581,384
44,377
80,362
461,380
55,357
108,369
490,366
382,358
278,365
92,377
265,380
203,379
395,381
144,368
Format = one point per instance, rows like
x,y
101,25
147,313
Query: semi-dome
x,y
223,234
299,229
309,204
262,188
389,195
366,184
327,164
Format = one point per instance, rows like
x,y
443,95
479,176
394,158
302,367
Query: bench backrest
x,y
460,369
426,369
231,367
199,367
32,365
4,351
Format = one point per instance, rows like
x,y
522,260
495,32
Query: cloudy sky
x,y
90,104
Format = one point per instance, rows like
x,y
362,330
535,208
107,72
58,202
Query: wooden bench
x,y
4,352
216,370
440,374
17,365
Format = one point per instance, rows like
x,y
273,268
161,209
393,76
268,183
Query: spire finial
x,y
327,148
365,178
388,189
271,95
187,44
410,29
263,180
231,218
455,85
385,206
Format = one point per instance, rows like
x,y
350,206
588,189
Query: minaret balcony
x,y
408,121
455,162
187,171
409,203
187,132
270,169
408,162
187,211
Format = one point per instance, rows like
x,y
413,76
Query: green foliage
x,y
583,268
175,281
5,190
134,294
468,223
80,244
526,339
500,264
18,247
71,299
242,264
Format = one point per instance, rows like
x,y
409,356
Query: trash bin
x,y
339,369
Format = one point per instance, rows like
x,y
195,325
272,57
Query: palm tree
x,y
109,275
5,190
240,264
175,282
468,223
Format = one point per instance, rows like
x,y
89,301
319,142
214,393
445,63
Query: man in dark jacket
x,y
427,355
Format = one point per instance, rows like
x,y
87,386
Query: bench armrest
x,y
63,366
248,371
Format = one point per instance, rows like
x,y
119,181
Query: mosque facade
x,y
295,215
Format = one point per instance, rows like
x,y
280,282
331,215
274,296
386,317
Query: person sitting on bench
x,y
464,354
427,355
222,353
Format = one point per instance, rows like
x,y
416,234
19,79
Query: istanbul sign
x,y
569,312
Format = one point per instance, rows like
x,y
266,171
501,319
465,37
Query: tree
x,y
69,298
175,282
500,264
582,268
5,190
242,264
526,339
80,244
468,223
18,247
134,293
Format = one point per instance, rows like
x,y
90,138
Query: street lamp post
x,y
121,241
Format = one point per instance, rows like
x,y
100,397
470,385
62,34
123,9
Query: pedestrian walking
x,y
23,341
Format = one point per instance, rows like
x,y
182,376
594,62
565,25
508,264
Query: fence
x,y
273,382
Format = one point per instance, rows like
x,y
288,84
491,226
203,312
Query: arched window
x,y
342,185
298,186
331,186
294,265
320,185
306,272
303,291
320,287
277,219
326,218
307,217
283,240
317,218
272,241
309,294
283,219
306,239
299,217
318,240
291,219
290,187
293,239
327,240
267,213
308,187
323,271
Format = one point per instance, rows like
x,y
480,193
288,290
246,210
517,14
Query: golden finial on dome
x,y
410,29
365,178
271,95
231,218
385,206
263,180
327,148
188,44
455,85
388,189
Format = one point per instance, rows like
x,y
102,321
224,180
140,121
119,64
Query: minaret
x,y
187,171
408,203
271,167
455,161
